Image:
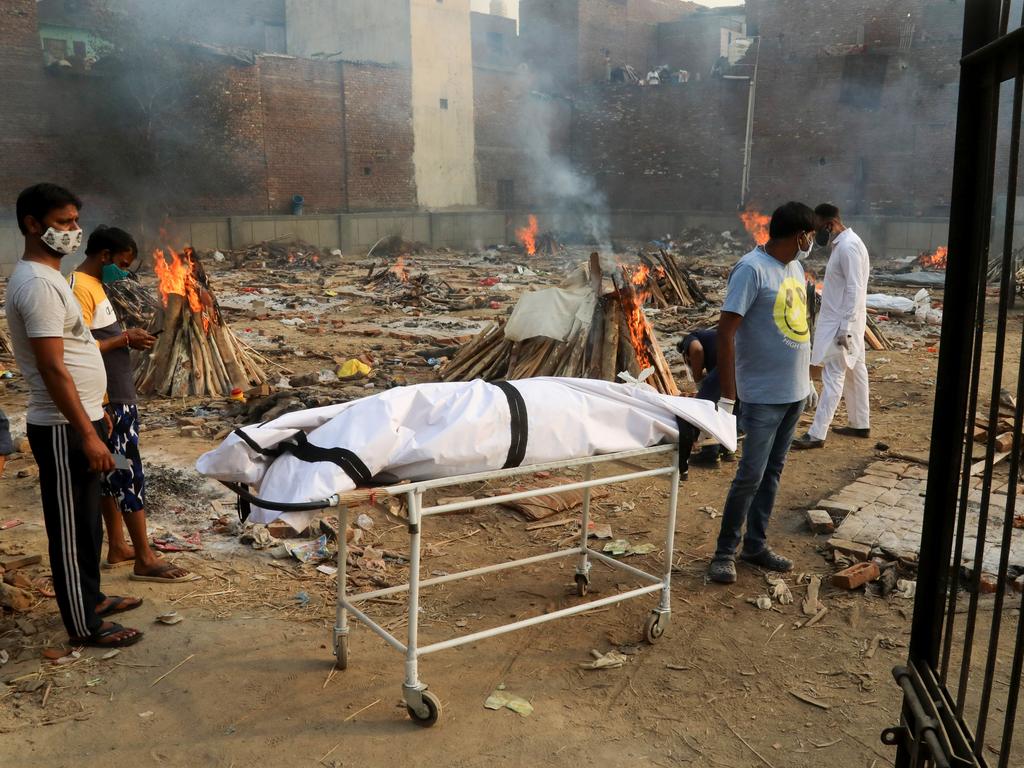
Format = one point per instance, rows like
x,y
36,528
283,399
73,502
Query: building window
x,y
56,48
863,80
506,194
444,103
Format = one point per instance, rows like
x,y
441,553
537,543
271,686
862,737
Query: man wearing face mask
x,y
763,356
839,331
66,428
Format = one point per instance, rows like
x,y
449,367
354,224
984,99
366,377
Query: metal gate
x,y
961,681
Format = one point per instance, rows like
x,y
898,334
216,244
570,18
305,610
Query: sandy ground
x,y
728,685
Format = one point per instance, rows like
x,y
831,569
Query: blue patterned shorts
x,y
128,486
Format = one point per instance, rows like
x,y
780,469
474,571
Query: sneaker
x,y
805,441
768,560
852,431
722,570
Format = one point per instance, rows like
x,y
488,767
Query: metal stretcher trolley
x,y
423,706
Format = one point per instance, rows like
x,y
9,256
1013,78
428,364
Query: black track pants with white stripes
x,y
74,526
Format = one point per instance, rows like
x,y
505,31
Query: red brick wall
x,y
378,137
303,133
27,150
517,130
810,145
667,148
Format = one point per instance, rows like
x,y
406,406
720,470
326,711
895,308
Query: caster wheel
x,y
582,585
655,627
341,653
433,705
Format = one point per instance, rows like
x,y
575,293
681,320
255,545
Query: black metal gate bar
x,y
961,339
975,151
993,420
1006,291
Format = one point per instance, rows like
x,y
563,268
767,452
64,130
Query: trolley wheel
x,y
655,626
582,584
341,653
433,705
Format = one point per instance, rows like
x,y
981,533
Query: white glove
x,y
725,404
843,339
812,399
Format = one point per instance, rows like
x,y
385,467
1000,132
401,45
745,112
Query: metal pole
x,y
749,138
412,680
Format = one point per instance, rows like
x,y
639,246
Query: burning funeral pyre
x,y
535,242
196,352
593,326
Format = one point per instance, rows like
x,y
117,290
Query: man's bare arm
x,y
727,326
697,361
49,353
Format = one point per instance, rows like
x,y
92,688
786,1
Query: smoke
x,y
544,125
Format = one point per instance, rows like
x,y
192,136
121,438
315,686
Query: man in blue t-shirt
x,y
764,348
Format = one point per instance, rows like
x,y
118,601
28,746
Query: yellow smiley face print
x,y
791,310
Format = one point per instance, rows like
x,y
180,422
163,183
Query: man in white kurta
x,y
839,332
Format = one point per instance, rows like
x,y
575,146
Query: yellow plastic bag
x,y
353,369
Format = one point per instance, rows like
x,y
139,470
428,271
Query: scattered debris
x,y
780,590
502,699
610,660
169,617
622,548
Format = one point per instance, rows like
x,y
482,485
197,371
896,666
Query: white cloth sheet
x,y
431,431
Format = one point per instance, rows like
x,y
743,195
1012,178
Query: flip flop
x,y
163,579
95,639
107,565
117,605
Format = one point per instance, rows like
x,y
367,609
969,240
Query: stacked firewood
x,y
618,338
670,285
547,244
134,304
397,284
196,352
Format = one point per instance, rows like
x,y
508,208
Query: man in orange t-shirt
x,y
124,489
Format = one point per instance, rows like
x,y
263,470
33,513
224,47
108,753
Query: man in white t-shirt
x,y
61,363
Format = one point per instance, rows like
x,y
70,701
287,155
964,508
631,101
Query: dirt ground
x,y
250,668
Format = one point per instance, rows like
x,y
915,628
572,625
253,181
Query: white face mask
x,y
64,242
802,254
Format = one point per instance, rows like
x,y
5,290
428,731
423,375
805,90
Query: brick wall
x,y
378,136
303,133
667,148
518,131
27,149
811,142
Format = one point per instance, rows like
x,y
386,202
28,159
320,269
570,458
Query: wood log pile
x,y
6,348
1003,428
874,338
134,304
397,284
669,284
617,338
196,352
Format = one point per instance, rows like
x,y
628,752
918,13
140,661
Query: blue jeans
x,y
769,430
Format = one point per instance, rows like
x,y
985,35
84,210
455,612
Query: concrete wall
x,y
442,103
886,237
356,30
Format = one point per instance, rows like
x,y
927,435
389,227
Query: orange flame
x,y
527,235
936,259
756,224
177,276
633,307
400,271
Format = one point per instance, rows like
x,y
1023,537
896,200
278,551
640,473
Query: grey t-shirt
x,y
40,305
773,343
